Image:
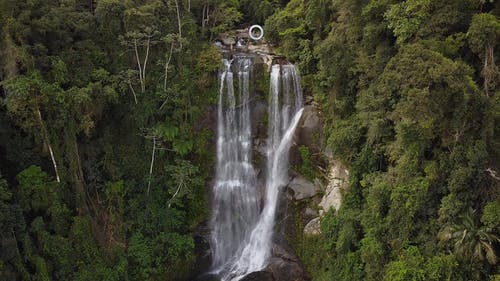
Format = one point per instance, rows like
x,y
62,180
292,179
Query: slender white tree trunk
x,y
46,140
167,63
139,66
485,69
146,59
179,23
152,164
133,90
54,162
203,17
175,194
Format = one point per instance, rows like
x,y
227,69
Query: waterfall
x,y
242,237
236,205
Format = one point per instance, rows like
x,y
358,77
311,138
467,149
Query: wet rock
x,y
302,188
202,249
260,147
313,227
284,252
309,132
259,115
259,276
283,270
264,51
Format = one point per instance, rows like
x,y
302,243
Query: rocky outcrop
x,y
285,265
337,182
310,135
310,129
284,270
302,188
239,41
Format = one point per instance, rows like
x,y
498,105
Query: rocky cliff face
x,y
324,191
306,198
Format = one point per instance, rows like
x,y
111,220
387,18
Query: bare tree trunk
x,y
485,70
152,163
47,141
139,66
53,161
132,89
167,63
179,23
203,17
175,194
207,19
79,178
146,59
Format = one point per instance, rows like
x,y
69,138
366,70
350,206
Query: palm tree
x,y
471,239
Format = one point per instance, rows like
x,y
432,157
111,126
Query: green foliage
x,y
36,191
411,265
484,30
490,215
306,167
67,92
398,83
92,85
405,18
225,16
471,240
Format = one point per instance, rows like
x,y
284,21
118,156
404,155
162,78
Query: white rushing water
x,y
236,205
242,237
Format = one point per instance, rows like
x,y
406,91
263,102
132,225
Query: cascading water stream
x,y
236,205
241,237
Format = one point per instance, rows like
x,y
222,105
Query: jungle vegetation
x,y
106,150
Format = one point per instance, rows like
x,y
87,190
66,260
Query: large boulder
x,y
313,227
302,188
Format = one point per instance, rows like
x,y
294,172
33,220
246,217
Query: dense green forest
x,y
106,150
412,104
